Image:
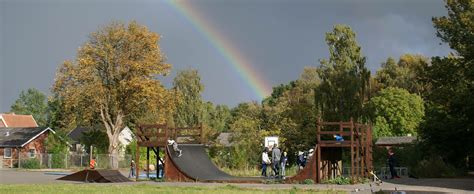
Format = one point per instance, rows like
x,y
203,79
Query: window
x,y
32,153
7,153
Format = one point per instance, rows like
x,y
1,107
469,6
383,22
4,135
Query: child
x,y
301,160
284,160
175,147
265,162
132,170
338,138
92,163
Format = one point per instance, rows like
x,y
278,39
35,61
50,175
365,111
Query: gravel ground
x,y
8,176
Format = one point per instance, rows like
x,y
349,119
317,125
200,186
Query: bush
x,y
308,181
340,180
434,167
30,164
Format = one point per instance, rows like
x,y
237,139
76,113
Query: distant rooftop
x,y
396,140
14,120
18,137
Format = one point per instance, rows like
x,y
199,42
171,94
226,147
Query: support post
x,y
147,162
19,157
137,161
157,161
352,150
318,152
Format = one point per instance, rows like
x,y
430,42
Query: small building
x,y
75,135
395,141
21,143
14,121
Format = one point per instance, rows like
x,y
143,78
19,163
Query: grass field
x,y
141,188
291,171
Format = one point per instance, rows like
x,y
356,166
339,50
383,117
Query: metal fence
x,y
63,161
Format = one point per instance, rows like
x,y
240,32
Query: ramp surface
x,y
97,176
196,164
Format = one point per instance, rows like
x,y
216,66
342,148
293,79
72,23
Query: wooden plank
x,y
335,145
151,144
335,123
146,126
334,142
343,133
151,134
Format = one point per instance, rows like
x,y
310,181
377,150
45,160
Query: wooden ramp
x,y
96,176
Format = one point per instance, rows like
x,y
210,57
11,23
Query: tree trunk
x,y
113,156
113,130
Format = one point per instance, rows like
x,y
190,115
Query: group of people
x,y
278,161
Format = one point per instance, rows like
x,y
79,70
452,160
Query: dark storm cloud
x,y
279,37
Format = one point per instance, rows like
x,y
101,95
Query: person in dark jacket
x,y
392,162
276,156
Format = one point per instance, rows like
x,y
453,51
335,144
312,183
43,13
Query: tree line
x,y
113,83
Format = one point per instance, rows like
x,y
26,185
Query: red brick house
x,y
21,143
13,121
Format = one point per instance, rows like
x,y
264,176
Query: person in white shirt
x,y
265,162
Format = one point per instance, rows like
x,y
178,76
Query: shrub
x,y
434,167
340,180
30,164
308,182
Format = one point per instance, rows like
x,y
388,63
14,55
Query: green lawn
x,y
140,188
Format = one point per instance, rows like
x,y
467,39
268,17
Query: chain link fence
x,y
63,161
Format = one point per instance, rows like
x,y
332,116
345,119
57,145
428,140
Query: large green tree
x,y
32,102
344,77
407,73
189,112
450,114
114,78
396,112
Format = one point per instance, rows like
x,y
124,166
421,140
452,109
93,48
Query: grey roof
x,y
398,140
18,137
76,134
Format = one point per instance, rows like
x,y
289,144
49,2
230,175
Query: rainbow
x,y
238,62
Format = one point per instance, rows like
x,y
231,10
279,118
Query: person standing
x,y
276,155
284,160
392,162
265,162
132,169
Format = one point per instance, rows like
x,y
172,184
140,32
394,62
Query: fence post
x,y
81,159
65,158
41,160
49,161
19,158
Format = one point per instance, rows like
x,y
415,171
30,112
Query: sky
x,y
275,39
